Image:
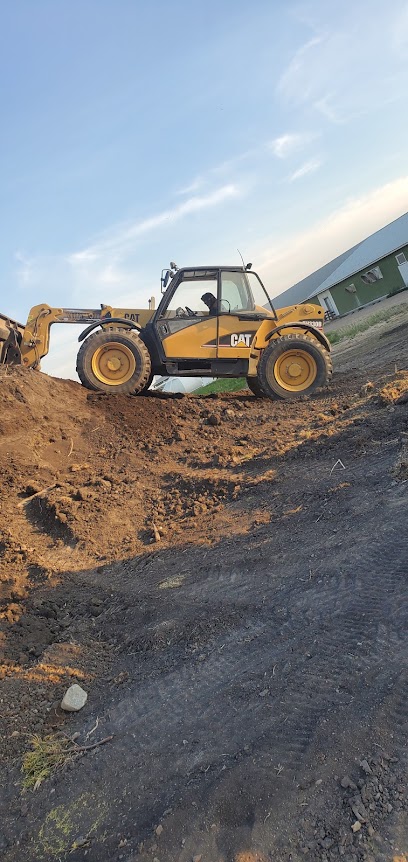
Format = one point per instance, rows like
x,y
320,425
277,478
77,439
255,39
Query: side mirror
x,y
165,280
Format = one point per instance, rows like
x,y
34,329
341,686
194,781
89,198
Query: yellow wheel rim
x,y
295,370
113,363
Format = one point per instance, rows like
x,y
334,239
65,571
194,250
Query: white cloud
x,y
307,168
300,254
353,63
326,106
119,238
221,170
289,143
296,68
109,267
400,30
194,186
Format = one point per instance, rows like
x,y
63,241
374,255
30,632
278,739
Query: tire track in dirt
x,y
264,741
353,603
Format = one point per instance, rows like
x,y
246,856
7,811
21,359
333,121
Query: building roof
x,y
361,256
381,243
310,285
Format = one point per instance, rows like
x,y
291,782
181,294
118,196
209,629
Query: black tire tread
x,y
255,387
131,387
147,385
278,346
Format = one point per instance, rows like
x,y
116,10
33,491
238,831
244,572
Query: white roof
x,y
390,238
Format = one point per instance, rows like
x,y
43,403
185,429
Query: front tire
x,y
114,361
292,366
255,387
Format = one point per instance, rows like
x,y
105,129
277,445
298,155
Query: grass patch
x,y
355,329
70,827
50,753
47,755
222,384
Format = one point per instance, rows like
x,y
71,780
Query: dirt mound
x,y
226,578
89,479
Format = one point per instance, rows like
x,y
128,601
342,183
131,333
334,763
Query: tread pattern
x,y
139,380
279,346
255,387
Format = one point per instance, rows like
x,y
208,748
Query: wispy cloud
x,y
308,167
296,67
223,169
400,30
118,239
193,187
352,64
290,143
110,268
326,106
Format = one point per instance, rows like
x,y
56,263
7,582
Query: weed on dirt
x,y
357,328
47,755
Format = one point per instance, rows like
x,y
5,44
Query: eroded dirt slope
x,y
227,579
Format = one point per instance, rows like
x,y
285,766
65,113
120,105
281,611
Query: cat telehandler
x,y
212,321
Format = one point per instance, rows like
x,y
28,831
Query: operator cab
x,y
204,291
207,318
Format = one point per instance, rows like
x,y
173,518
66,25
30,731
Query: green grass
x,y
352,331
46,756
222,384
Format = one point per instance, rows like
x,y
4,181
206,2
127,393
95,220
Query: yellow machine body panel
x,y
136,315
313,315
235,336
193,339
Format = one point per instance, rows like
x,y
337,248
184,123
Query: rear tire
x,y
147,385
293,366
255,387
115,361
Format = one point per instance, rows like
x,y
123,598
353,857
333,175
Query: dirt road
x,y
226,577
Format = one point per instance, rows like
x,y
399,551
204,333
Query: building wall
x,y
365,293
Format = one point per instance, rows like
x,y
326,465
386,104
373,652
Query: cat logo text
x,y
243,339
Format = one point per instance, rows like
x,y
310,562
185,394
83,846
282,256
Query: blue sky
x,y
135,133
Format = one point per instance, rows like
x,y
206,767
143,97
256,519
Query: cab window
x,y
235,293
187,297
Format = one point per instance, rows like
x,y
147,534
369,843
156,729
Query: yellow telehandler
x,y
212,321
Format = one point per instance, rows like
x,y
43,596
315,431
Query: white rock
x,y
74,698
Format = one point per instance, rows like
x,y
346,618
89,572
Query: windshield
x,y
258,291
243,291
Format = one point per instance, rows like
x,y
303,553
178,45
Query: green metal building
x,y
371,270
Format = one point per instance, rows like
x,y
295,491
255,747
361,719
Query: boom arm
x,y
35,336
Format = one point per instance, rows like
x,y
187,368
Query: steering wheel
x,y
185,312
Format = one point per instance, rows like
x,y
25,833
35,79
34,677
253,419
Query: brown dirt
x,y
227,579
